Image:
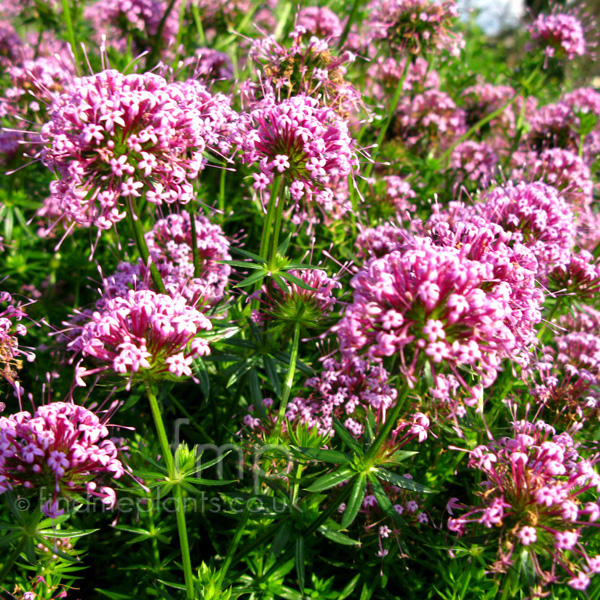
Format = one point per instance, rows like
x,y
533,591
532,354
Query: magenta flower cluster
x,y
560,35
434,304
536,483
538,217
344,389
142,335
62,451
415,26
306,144
114,136
170,245
135,22
11,328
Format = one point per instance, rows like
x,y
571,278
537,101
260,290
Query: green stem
x,y
278,219
234,545
194,231
222,193
478,126
173,476
70,32
557,305
140,242
156,42
289,380
390,115
13,559
389,424
349,23
266,233
198,22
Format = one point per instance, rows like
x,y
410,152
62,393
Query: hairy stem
x,y
388,120
12,559
140,243
389,424
289,380
173,476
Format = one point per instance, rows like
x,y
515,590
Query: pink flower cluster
x,y
307,68
560,35
535,484
170,245
320,21
305,143
385,74
61,450
415,26
34,85
11,329
538,217
344,389
112,136
561,169
437,305
142,335
474,161
135,22
430,118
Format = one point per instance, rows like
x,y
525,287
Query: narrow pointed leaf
x,y
355,501
331,479
401,482
346,436
328,456
300,562
296,280
281,283
281,539
254,257
338,537
251,279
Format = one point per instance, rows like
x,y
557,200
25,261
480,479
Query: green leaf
x,y
328,456
300,562
338,537
282,249
254,257
239,263
370,426
281,283
199,369
272,374
301,284
383,501
355,501
346,436
331,479
401,482
255,391
251,279
399,457
281,539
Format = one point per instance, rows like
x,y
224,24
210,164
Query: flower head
x,y
535,484
560,35
306,300
143,334
61,451
415,26
306,144
113,135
